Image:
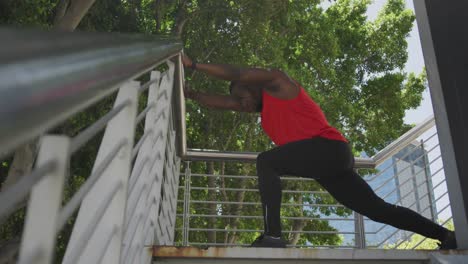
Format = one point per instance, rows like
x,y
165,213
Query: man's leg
x,y
353,192
269,185
317,156
323,160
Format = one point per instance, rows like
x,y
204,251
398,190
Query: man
x,y
307,147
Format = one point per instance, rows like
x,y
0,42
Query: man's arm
x,y
232,73
214,101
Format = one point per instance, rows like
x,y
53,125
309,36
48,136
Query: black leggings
x,y
331,163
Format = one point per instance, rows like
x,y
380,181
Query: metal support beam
x,y
360,235
444,38
179,107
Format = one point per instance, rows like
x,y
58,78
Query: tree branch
x,y
182,20
60,11
76,10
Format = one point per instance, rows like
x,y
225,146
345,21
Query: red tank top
x,y
285,121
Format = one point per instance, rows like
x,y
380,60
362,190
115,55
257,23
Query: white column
x,y
141,171
115,178
39,234
147,202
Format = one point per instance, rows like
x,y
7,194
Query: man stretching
x,y
307,147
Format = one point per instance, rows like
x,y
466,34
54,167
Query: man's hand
x,y
186,61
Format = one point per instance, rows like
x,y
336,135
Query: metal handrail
x,y
261,217
213,155
260,231
46,82
259,203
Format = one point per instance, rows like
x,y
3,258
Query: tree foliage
x,y
352,66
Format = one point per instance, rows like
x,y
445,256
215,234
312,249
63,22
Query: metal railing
x,y
409,173
129,200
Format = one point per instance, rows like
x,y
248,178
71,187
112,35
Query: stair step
x,y
239,255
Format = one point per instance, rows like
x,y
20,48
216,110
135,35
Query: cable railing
x,y
405,176
128,201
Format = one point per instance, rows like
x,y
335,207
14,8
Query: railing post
x,y
145,197
415,187
44,203
160,143
429,188
142,180
360,236
179,108
112,184
186,220
145,223
171,184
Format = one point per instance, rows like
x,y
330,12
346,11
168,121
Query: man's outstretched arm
x,y
215,101
233,73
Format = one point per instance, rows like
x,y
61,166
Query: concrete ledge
x,y
289,253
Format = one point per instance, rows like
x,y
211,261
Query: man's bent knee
x,y
263,159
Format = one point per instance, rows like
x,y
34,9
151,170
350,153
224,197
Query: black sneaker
x,y
450,242
268,242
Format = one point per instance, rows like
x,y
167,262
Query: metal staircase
x,y
129,201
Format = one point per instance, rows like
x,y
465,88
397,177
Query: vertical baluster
x,y
359,229
148,203
136,199
186,217
428,179
174,191
44,202
120,128
159,146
